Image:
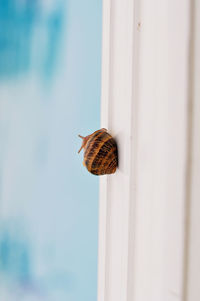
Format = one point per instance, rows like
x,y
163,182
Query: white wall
x,y
149,210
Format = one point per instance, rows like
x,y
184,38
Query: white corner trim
x,y
145,79
119,27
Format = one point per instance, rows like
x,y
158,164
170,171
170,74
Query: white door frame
x,y
146,230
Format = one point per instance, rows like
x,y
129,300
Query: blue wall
x,y
50,63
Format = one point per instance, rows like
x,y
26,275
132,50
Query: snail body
x,y
100,153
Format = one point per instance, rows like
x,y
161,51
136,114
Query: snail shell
x,y
100,153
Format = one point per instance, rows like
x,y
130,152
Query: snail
x,y
100,153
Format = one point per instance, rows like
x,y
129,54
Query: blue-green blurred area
x,y
30,37
50,62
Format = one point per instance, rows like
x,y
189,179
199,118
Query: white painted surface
x,y
161,151
147,250
114,203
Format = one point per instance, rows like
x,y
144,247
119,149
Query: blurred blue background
x,y
50,62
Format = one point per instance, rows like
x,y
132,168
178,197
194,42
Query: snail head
x,y
85,139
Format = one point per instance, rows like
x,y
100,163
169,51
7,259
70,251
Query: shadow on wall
x,y
30,36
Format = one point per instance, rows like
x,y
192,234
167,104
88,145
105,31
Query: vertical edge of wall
x,y
192,271
145,106
116,116
105,89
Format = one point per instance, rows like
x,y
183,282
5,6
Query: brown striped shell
x,y
100,153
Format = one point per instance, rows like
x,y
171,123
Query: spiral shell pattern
x,y
100,156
